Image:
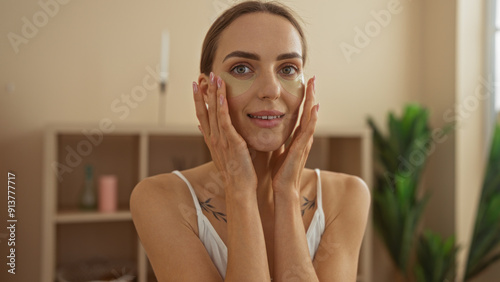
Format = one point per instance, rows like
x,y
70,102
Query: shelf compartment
x,y
338,154
114,154
96,240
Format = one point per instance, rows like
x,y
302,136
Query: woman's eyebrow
x,y
291,55
242,54
253,56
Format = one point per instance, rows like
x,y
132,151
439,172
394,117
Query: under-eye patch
x,y
295,86
236,87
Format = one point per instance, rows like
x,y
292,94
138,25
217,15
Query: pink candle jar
x,y
108,193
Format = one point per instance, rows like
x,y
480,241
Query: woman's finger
x,y
299,149
308,103
201,109
212,108
221,118
304,140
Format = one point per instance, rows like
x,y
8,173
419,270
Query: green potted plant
x,y
483,251
397,206
436,258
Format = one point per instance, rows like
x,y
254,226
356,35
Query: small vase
x,y
88,199
108,191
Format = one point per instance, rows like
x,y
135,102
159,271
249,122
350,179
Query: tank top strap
x,y
318,192
193,194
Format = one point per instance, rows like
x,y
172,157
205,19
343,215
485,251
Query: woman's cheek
x,y
235,113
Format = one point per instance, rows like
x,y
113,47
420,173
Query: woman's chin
x,y
265,142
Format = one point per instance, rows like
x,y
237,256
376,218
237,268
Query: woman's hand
x,y
290,162
228,149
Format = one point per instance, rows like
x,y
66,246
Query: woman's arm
x,y
247,255
337,256
292,261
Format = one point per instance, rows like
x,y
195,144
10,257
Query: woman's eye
x,y
288,70
241,69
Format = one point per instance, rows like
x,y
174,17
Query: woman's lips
x,y
266,119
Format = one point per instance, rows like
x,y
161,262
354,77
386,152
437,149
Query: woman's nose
x,y
270,87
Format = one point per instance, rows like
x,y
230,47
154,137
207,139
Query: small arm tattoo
x,y
211,209
309,204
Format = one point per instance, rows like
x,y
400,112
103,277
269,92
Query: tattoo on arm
x,y
211,209
309,204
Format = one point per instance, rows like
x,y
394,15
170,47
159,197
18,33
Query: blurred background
x,y
92,62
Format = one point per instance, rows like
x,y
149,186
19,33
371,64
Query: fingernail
x,y
219,82
317,108
212,78
195,87
221,99
314,82
199,127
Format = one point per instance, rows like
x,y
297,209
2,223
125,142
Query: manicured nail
x,y
195,88
219,82
212,78
221,99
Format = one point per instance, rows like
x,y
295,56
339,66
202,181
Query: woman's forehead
x,y
264,34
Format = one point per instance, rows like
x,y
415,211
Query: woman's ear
x,y
203,80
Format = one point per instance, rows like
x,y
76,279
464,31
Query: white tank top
x,y
218,250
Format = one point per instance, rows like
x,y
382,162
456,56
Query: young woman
x,y
253,213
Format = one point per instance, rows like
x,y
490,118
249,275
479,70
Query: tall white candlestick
x,y
165,49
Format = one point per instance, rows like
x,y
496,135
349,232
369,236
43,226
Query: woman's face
x,y
259,56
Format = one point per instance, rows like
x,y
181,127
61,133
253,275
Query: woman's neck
x,y
263,163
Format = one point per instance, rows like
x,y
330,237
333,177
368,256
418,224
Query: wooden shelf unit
x,y
134,152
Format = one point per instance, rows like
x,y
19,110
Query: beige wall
x,y
90,53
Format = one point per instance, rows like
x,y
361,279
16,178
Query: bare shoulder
x,y
344,192
153,189
344,183
160,196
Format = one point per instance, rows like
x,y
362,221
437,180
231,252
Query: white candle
x,y
165,49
